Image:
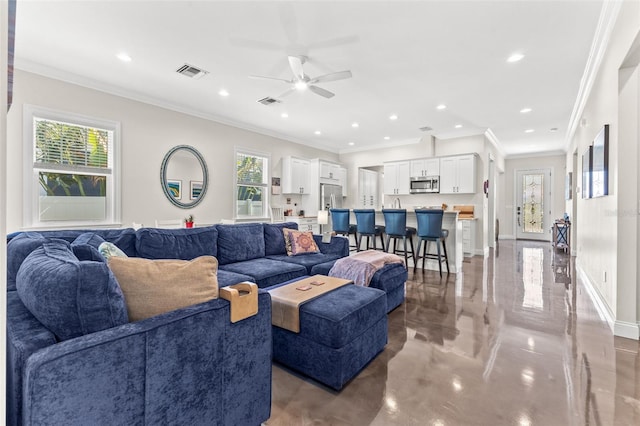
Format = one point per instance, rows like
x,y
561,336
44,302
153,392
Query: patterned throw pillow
x,y
299,242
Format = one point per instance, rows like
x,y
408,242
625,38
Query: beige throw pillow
x,y
153,287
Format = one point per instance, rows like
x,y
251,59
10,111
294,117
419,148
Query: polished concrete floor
x,y
513,340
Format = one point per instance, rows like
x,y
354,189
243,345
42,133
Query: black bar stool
x,y
340,224
430,229
395,222
366,226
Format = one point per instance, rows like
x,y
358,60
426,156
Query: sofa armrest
x,y
339,245
188,366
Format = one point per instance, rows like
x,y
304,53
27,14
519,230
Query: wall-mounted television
x,y
600,164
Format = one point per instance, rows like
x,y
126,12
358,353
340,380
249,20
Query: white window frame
x,y
266,192
31,185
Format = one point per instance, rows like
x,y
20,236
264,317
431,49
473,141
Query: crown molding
x,y
606,22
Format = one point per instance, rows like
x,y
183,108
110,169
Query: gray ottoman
x,y
340,333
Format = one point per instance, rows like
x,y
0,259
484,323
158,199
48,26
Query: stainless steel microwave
x,y
424,184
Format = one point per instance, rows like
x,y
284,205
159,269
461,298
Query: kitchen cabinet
x,y
424,167
295,176
468,236
330,171
367,189
305,223
343,180
397,177
458,174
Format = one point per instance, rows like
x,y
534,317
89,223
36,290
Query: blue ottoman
x,y
340,333
390,278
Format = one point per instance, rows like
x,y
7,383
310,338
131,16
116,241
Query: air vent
x,y
191,71
426,129
268,101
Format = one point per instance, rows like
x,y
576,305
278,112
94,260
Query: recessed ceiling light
x,y
123,57
458,126
525,110
355,125
386,138
529,131
515,57
284,115
553,129
441,106
393,117
318,132
223,92
352,143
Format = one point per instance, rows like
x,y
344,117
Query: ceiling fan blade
x,y
322,92
262,77
331,77
295,62
286,93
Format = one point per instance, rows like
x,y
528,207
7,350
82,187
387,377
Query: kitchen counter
x,y
450,222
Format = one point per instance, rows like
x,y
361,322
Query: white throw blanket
x,y
361,266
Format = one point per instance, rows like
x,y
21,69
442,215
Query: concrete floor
x,y
513,340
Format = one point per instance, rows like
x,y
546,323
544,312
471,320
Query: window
x,y
70,176
252,174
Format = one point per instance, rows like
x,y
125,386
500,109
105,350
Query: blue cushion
x,y
237,243
308,260
185,244
338,317
17,251
266,272
274,237
125,239
226,278
69,297
86,252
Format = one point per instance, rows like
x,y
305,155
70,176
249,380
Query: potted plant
x,y
188,222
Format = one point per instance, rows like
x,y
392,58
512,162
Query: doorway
x,y
533,204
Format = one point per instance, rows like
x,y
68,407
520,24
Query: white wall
x,y
605,222
148,132
4,17
506,210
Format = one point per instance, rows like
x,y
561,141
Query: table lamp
x,y
323,219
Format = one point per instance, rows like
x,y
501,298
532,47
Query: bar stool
x,y
430,229
366,226
395,222
340,224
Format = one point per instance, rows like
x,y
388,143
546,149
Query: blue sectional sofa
x,y
189,366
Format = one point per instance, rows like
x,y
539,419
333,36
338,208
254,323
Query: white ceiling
x,y
406,58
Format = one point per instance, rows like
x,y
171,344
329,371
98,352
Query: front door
x,y
533,208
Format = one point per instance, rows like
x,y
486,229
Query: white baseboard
x,y
506,237
600,304
627,329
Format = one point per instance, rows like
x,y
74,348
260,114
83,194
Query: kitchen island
x,y
450,222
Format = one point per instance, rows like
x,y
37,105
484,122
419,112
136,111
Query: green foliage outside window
x,y
71,145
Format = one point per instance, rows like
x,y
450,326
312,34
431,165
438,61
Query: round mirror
x,y
184,176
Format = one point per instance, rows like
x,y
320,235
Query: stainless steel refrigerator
x,y
330,196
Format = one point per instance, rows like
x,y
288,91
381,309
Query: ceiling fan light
x,y
301,85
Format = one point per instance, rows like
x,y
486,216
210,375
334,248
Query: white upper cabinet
x,y
295,176
367,189
342,173
397,176
458,174
425,167
330,171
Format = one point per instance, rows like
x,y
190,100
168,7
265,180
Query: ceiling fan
x,y
301,81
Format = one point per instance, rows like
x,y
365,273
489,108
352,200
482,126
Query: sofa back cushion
x,y
240,242
274,243
17,251
185,244
68,296
153,287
